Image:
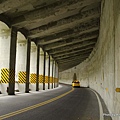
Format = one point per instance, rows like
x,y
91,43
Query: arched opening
x,y
20,73
4,56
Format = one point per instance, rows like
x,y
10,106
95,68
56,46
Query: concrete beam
x,y
68,48
69,42
65,23
68,63
73,52
76,54
7,5
63,27
51,11
72,59
68,66
92,24
63,36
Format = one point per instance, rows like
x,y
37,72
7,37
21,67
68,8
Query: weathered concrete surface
x,y
101,71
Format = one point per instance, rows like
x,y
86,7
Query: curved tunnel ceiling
x,y
66,29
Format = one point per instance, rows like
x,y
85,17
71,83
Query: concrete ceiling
x,y
66,29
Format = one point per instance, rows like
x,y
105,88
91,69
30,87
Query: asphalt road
x,y
78,104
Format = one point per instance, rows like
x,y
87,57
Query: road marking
x,y
34,106
100,105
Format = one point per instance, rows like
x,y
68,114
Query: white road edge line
x,y
100,105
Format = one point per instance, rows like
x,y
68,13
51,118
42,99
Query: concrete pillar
x,y
37,68
12,61
44,66
28,65
41,69
46,71
52,72
49,72
57,75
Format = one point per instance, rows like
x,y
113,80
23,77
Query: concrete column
x,y
28,65
52,72
46,71
37,67
44,64
12,61
49,72
41,70
57,75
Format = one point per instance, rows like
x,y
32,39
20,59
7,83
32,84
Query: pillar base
x,y
26,91
11,93
37,90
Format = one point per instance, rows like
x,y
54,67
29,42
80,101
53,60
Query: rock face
x,y
101,71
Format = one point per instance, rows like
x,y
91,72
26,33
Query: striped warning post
x,y
22,77
40,78
4,75
33,78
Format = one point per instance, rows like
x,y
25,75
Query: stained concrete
x,y
101,71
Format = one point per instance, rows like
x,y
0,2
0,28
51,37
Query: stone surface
x,y
101,70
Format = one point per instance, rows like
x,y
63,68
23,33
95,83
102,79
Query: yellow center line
x,y
33,106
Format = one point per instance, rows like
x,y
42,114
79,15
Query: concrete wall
x,y
101,71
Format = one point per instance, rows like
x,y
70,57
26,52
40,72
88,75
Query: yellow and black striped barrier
x,y
55,80
22,77
51,79
11,76
4,75
33,78
46,79
40,78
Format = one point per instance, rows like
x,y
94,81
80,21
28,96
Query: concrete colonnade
x,y
23,65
